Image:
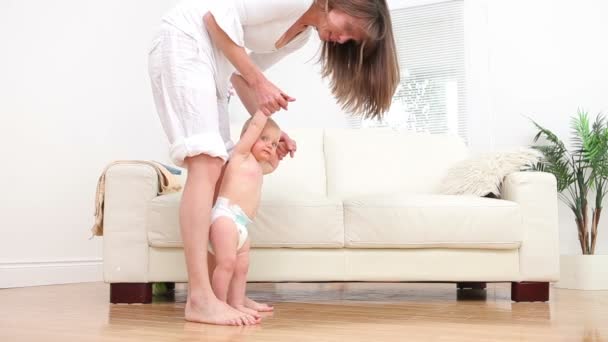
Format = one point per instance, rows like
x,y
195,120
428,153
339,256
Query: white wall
x,y
546,59
74,95
298,76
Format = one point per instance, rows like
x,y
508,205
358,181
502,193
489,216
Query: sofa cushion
x,y
297,223
432,221
380,161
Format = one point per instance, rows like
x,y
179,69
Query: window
x,y
432,94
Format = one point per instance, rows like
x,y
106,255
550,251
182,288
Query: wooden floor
x,y
311,312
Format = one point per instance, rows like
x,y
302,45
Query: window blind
x,y
432,94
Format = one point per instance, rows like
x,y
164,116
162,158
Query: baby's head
x,y
265,148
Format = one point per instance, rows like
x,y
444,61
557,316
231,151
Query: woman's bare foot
x,y
217,312
260,307
243,308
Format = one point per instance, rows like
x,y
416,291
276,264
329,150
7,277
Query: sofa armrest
x,y
536,193
129,188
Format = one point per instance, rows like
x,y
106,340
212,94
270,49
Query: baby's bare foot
x,y
246,310
260,307
217,312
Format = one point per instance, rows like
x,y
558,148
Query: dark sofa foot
x,y
530,291
471,285
130,293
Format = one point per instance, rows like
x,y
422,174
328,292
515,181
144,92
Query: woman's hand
x,y
270,98
286,145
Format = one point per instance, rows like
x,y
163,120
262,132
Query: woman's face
x,y
340,27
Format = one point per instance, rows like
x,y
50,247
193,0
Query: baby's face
x,y
265,148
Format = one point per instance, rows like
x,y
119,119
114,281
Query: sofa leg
x,y
130,293
471,286
471,290
530,291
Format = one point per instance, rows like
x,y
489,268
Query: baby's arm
x,y
251,135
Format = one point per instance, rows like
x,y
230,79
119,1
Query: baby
x,y
237,203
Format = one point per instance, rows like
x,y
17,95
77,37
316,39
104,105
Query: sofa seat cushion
x,y
432,221
295,223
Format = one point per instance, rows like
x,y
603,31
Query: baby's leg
x,y
223,237
236,295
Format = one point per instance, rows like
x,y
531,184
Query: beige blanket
x,y
167,183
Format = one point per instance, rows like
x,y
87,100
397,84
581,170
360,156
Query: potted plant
x,y
582,182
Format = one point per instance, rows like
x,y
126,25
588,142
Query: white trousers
x,y
192,113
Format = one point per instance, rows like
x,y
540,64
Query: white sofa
x,y
354,205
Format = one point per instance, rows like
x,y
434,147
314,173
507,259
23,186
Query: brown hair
x,y
269,123
363,75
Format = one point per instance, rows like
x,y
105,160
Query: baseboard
x,y
36,273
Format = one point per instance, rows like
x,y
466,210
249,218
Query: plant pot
x,y
583,272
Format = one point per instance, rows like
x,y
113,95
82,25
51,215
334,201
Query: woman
x,y
201,49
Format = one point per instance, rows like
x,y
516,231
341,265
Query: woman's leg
x,y
185,96
195,212
210,264
211,257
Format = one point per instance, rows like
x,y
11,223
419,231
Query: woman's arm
x,y
247,96
245,93
235,54
268,97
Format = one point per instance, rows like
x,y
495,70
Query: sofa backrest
x,y
302,176
367,162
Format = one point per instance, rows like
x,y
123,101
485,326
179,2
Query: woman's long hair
x,y
363,75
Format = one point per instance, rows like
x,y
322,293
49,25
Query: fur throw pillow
x,y
483,175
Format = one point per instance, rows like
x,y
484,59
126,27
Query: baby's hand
x,y
286,145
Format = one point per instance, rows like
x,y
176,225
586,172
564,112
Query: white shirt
x,y
253,24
